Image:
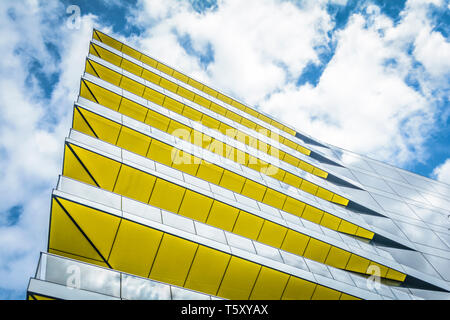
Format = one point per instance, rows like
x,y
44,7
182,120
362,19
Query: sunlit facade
x,y
171,189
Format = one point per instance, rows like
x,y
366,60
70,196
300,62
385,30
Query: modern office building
x,y
171,189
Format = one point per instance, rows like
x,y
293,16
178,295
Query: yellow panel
x,y
98,226
339,200
202,276
295,242
330,221
131,67
192,114
239,279
218,109
347,227
320,173
337,258
74,169
133,110
361,232
133,141
312,214
150,76
195,84
160,152
65,236
294,206
108,40
149,61
298,289
84,91
135,248
222,216
180,76
324,194
134,184
272,234
233,116
308,187
169,85
178,129
276,124
39,297
248,123
396,275
157,120
104,170
224,98
303,150
232,181
251,111
324,293
185,93
248,225
80,124
102,72
164,68
167,196
202,101
345,296
104,97
210,122
210,91
274,198
186,162
105,54
78,257
195,206
254,190
105,129
131,52
317,250
173,105
173,260
269,285
132,86
210,172
217,147
289,130
306,166
357,264
291,159
153,96
383,269
238,105
292,180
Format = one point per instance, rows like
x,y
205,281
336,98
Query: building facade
x,y
171,189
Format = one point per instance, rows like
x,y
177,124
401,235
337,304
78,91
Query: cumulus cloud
x,y
442,172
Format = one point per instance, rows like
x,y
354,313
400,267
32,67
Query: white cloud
x,y
442,172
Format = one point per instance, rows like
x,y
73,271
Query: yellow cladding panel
x,y
209,172
164,68
248,225
317,250
134,184
330,221
39,297
210,122
149,61
295,242
153,96
133,110
157,120
272,234
233,116
253,190
222,216
312,214
324,194
210,91
324,293
78,257
232,181
339,200
292,180
298,289
269,285
195,84
131,67
305,166
202,101
160,152
224,98
131,52
375,267
345,296
308,187
289,130
250,111
135,248
173,105
179,130
192,114
239,279
357,264
169,85
185,162
180,76
104,170
195,206
113,43
218,109
167,196
132,86
294,206
133,141
320,173
363,233
347,227
173,260
80,124
98,226
104,97
303,150
105,129
207,270
73,168
274,198
337,258
150,76
102,72
248,123
291,159
396,275
66,237
185,93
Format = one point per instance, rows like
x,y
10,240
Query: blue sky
x,y
369,76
